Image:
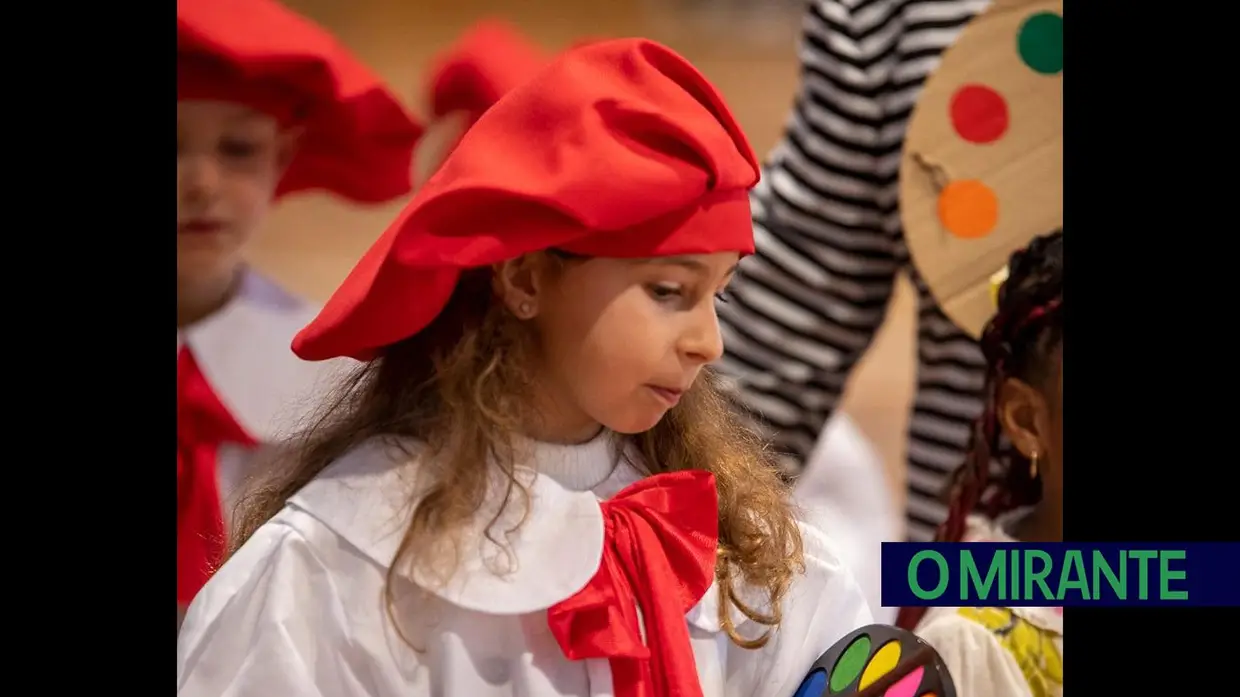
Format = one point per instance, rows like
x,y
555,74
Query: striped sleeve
x,y
826,222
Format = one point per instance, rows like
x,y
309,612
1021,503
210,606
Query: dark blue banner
x,y
1109,574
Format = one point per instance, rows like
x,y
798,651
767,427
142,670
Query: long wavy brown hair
x,y
457,388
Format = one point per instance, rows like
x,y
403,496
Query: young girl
x,y
1012,652
843,488
534,488
267,105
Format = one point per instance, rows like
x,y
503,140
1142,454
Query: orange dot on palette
x,y
968,209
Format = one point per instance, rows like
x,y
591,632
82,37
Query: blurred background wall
x,y
746,47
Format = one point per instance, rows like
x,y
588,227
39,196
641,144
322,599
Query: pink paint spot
x,y
907,687
1059,611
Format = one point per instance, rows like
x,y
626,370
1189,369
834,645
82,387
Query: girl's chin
x,y
638,422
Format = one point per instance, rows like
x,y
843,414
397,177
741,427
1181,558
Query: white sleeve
x,y
844,491
978,663
825,605
268,623
841,605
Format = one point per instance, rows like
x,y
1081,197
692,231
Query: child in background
x,y
487,62
535,488
1011,652
267,105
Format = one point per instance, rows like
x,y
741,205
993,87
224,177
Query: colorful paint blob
x,y
968,209
874,658
979,114
883,662
907,686
1040,43
812,685
849,666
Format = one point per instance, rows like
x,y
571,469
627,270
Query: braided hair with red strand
x,y
1018,342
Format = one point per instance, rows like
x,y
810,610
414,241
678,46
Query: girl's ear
x,y
436,144
519,283
1025,417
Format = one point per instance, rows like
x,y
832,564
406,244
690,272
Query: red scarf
x,y
658,555
203,424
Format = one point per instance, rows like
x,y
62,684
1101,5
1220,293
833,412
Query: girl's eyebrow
x,y
689,263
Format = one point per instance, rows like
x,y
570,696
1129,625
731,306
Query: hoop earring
x,y
1033,465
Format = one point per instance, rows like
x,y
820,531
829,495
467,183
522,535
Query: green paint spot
x,y
850,663
1040,43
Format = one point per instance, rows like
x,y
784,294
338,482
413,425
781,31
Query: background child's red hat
x,y
490,60
616,149
358,140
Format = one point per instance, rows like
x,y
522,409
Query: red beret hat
x,y
486,63
358,140
616,149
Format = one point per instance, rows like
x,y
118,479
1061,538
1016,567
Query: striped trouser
x,y
829,245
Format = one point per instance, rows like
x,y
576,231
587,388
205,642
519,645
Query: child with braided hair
x,y
1001,652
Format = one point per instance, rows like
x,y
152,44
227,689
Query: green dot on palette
x,y
1040,43
850,664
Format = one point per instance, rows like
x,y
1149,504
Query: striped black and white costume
x,y
830,244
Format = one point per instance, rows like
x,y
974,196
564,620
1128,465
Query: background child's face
x,y
619,340
229,160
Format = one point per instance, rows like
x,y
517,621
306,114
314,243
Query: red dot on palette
x,y
979,114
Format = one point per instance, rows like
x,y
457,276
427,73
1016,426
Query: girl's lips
x,y
668,395
200,227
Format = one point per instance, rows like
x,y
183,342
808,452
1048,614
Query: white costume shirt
x,y
1002,651
844,491
244,351
299,611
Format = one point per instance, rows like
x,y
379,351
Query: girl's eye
x,y
236,148
663,291
722,296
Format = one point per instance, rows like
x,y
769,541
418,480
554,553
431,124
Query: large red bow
x,y
203,424
662,535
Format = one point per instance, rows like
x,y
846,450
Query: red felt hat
x,y
358,140
486,63
616,149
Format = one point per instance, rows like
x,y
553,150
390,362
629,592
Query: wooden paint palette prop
x,y
878,661
982,170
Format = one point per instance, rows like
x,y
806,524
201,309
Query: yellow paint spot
x,y
883,662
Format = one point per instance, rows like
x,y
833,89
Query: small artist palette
x,y
982,169
862,658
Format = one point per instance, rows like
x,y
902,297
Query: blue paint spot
x,y
813,685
